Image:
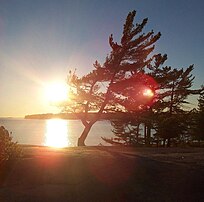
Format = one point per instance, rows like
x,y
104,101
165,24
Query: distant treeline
x,y
75,116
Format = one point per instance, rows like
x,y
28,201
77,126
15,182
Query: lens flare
x,y
138,93
148,93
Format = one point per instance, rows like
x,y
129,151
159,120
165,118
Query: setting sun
x,y
56,92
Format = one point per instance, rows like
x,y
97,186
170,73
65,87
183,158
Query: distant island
x,y
75,116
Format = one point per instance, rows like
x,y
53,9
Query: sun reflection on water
x,y
56,134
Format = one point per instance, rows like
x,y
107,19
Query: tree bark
x,y
164,142
145,134
172,99
82,138
137,135
148,134
168,142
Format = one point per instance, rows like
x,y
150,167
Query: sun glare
x,y
56,92
148,93
56,133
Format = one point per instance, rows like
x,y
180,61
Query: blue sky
x,y
41,40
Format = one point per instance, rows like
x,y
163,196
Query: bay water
x,y
54,132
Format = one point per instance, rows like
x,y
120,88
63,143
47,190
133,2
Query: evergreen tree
x,y
167,115
126,131
201,116
140,96
97,91
198,120
174,89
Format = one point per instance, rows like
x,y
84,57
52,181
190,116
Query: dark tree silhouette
x,y
127,131
175,85
167,115
174,88
201,117
99,91
198,120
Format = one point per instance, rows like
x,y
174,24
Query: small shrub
x,y
8,148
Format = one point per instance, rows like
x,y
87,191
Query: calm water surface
x,y
54,132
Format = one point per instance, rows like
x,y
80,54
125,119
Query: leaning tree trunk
x,y
82,138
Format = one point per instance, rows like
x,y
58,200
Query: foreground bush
x,y
8,148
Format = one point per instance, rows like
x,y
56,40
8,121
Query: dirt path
x,y
102,174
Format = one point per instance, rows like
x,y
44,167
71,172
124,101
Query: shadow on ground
x,y
98,174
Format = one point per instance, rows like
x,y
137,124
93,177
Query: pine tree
x,y
201,112
97,91
174,88
198,117
167,115
126,131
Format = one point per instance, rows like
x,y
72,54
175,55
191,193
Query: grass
x,y
104,174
